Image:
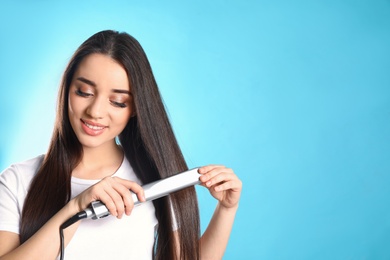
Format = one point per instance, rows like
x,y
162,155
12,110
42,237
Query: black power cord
x,y
71,221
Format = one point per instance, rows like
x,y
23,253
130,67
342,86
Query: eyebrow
x,y
93,84
121,91
87,81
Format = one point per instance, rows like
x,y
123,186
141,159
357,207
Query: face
x,y
100,101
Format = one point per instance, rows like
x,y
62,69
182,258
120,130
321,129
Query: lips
x,y
92,128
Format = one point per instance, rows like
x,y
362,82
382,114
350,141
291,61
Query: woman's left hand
x,y
222,183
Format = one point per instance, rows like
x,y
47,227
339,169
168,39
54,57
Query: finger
x,y
219,178
139,191
117,199
106,199
134,187
209,171
208,177
119,193
128,200
126,197
97,192
234,185
207,168
125,187
130,187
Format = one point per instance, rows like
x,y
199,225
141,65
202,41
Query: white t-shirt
x,y
131,237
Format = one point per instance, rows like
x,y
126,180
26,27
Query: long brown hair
x,y
148,142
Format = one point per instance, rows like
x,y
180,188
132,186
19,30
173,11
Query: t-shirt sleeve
x,y
10,211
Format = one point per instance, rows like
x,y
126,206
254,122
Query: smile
x,y
92,128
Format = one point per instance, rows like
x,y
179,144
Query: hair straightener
x,y
153,190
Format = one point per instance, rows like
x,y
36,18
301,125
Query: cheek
x,y
122,118
126,119
70,106
71,112
74,105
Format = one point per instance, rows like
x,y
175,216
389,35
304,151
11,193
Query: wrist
x,y
73,207
228,209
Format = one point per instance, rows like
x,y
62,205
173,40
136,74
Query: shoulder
x,y
21,173
14,184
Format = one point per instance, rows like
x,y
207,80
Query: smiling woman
x,y
108,93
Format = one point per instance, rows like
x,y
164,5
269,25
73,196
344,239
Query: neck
x,y
100,162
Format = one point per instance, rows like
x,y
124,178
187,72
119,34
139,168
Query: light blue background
x,y
293,95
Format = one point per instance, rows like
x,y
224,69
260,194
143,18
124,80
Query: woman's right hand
x,y
114,192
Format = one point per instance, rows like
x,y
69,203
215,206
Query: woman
x,y
111,135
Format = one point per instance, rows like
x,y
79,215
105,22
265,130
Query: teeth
x,y
94,127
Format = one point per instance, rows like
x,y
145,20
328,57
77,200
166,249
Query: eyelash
x,y
117,104
83,94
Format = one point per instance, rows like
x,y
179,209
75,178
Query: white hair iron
x,y
152,191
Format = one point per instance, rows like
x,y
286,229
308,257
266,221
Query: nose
x,y
97,109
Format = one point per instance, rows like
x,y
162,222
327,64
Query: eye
x,y
118,104
82,94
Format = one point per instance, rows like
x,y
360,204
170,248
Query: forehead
x,y
103,71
